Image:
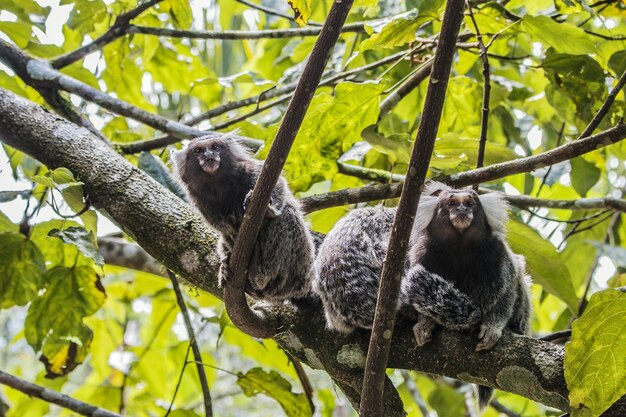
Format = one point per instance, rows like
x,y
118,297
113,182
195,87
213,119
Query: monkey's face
x,y
459,206
206,154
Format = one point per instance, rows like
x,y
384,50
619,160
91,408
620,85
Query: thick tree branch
x,y
54,397
393,265
481,175
119,29
234,292
524,366
240,34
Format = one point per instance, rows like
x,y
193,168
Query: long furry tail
x,y
484,395
439,299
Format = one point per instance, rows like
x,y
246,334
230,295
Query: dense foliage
x,y
112,335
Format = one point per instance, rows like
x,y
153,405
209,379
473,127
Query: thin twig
x,y
234,292
484,118
384,316
54,397
304,380
503,409
179,382
604,109
193,342
557,335
239,34
119,29
577,229
416,395
567,221
273,12
582,305
409,85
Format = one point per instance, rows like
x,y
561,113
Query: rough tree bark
x,y
521,365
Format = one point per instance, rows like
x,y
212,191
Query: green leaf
x,y
6,225
180,10
19,32
257,381
397,147
401,28
447,401
580,66
617,62
6,196
584,175
85,14
84,241
154,167
595,364
54,323
55,251
543,262
452,145
22,269
563,37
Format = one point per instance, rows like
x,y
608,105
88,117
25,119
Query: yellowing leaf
x,y
595,363
401,29
257,381
54,324
22,269
301,10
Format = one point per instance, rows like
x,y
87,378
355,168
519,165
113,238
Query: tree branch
x,y
54,397
119,29
273,12
485,174
135,200
604,109
240,34
234,292
193,342
40,74
393,265
409,85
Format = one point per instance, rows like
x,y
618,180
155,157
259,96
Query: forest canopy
x,y
108,288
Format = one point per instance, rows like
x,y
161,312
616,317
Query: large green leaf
x,y
581,66
563,37
84,241
54,324
584,175
544,263
6,225
595,363
400,29
22,269
257,381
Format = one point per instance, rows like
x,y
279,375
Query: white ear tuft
x,y
435,187
425,212
496,210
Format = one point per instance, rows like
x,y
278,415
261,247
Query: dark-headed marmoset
x,y
459,242
218,176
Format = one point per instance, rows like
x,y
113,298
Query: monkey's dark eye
x,y
451,203
215,148
469,203
197,150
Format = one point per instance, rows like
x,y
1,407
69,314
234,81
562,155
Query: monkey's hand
x,y
423,330
273,210
488,337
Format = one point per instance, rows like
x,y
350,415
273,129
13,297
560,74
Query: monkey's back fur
x,y
282,260
348,267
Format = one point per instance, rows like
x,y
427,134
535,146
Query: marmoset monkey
x,y
348,266
459,242
218,176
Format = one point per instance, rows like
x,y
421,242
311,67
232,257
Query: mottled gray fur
x,y
218,176
348,267
463,247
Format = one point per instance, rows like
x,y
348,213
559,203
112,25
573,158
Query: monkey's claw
x,y
488,337
423,331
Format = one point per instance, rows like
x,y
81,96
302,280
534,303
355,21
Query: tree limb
x,y
119,29
54,397
393,265
476,176
234,292
135,200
